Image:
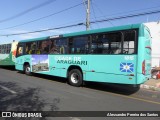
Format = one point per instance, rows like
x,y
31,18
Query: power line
x,y
104,16
43,17
127,16
78,24
74,25
102,13
94,14
68,9
27,11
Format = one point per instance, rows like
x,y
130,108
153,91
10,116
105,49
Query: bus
x,y
119,54
8,54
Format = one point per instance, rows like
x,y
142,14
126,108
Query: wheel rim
x,y
28,69
75,78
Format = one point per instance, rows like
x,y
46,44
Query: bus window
x,y
59,46
2,50
97,44
8,48
30,48
20,50
43,46
105,42
53,49
115,40
70,44
129,42
109,43
79,45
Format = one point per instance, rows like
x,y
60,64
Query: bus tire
x,y
75,77
27,69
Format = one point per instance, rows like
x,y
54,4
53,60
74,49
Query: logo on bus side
x,y
128,57
127,67
70,60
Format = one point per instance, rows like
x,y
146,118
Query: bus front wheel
x,y
27,69
75,77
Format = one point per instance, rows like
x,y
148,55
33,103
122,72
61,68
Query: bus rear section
x,y
144,56
8,53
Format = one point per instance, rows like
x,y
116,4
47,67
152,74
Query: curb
x,y
148,87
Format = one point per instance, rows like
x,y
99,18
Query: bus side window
x,y
129,42
96,44
0,49
20,50
105,42
8,48
79,45
110,43
59,46
52,49
70,44
4,48
30,48
38,51
43,47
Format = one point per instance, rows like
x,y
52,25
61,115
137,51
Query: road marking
x,y
74,118
140,99
129,97
7,89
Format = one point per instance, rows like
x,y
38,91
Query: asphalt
x,y
47,93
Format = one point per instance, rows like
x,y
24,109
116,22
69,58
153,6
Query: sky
x,y
16,12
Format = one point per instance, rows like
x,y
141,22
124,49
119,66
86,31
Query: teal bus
x,y
111,55
8,54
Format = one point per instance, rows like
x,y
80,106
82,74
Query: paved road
x,y
19,92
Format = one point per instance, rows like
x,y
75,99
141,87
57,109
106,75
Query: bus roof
x,y
125,27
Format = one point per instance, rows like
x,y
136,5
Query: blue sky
x,y
100,9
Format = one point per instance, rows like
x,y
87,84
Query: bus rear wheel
x,y
75,77
27,69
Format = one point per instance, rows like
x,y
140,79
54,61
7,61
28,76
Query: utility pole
x,y
87,3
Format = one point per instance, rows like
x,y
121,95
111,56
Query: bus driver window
x,y
20,50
